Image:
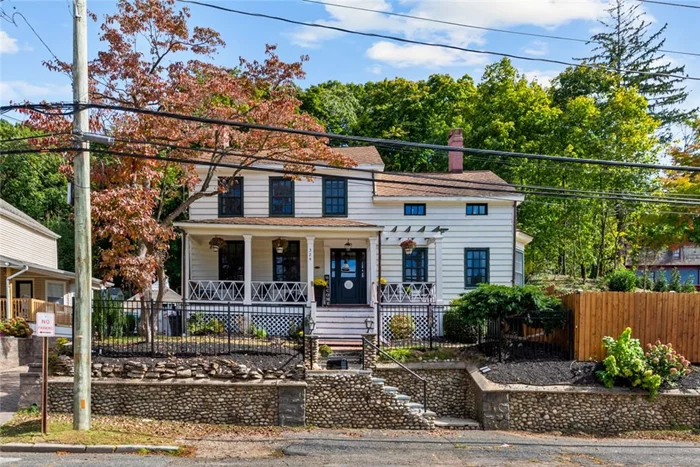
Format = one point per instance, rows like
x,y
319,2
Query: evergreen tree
x,y
629,43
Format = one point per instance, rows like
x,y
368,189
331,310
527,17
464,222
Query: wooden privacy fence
x,y
670,317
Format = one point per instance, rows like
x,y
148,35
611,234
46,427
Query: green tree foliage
x,y
622,280
661,284
34,184
675,283
628,43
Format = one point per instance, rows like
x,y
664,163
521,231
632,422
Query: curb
x,y
82,448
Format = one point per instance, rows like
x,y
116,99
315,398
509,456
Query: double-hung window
x,y
335,197
231,199
480,209
519,267
414,209
281,197
415,265
476,266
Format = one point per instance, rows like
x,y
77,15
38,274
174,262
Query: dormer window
x,y
676,253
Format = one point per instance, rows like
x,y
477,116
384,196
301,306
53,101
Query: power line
x,y
354,178
439,45
435,177
680,5
26,138
363,139
481,28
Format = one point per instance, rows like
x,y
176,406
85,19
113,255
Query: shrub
x,y
296,332
660,285
401,355
15,327
402,326
644,281
675,283
622,280
666,362
325,351
688,286
258,333
626,364
457,329
198,326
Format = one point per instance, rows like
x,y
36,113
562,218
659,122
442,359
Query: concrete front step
x,y
391,389
451,423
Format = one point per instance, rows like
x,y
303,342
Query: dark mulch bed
x,y
554,372
263,362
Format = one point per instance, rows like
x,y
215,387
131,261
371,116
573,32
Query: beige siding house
x,y
267,239
29,274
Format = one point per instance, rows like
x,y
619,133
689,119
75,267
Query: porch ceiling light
x,y
369,324
408,245
215,243
348,245
279,244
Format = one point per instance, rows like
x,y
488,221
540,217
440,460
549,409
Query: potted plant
x,y
408,245
320,285
279,245
216,243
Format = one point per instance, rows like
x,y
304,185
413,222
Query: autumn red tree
x,y
139,65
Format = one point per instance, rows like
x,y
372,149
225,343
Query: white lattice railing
x,y
408,292
224,291
280,292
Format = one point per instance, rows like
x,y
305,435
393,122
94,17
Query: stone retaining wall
x,y
254,403
581,409
20,351
449,393
350,399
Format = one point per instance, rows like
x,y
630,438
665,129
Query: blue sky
x,y
344,57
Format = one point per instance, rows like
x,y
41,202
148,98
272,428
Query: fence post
x,y
151,330
431,323
228,324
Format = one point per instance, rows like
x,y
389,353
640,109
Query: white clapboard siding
x,y
493,231
22,243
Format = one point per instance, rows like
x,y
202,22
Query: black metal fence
x,y
162,329
428,326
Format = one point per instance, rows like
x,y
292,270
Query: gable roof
x,y
362,155
15,214
454,185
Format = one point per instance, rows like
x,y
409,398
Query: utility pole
x,y
82,322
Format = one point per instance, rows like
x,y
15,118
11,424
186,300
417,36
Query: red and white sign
x,y
45,325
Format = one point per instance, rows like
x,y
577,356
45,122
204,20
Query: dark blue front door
x,y
348,277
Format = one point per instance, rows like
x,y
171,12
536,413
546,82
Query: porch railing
x,y
408,292
220,291
27,308
280,292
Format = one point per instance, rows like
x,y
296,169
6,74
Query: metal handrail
x,y
413,373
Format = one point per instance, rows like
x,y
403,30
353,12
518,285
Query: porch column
x,y
248,270
310,270
438,270
186,266
373,279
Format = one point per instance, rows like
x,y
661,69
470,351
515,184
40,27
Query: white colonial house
x,y
268,238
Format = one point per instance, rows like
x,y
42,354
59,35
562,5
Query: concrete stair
x,y
450,423
342,322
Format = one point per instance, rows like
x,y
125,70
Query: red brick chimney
x,y
455,158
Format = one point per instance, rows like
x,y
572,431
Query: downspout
x,y
515,237
24,269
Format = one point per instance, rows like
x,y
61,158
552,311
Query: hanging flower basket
x,y
216,243
279,245
408,246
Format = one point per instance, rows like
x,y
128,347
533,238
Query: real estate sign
x,y
45,325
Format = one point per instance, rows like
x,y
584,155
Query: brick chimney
x,y
455,158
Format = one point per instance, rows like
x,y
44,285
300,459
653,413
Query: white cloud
x,y
375,69
537,49
20,90
543,77
8,45
485,13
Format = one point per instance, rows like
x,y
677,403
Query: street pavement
x,y
320,447
9,393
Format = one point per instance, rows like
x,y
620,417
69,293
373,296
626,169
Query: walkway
x,y
9,393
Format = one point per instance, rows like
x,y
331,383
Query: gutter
x,y
25,268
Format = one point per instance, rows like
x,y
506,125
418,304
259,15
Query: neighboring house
x,y
29,268
169,319
685,258
267,239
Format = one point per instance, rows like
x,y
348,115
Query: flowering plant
x,y
382,280
320,282
626,364
408,245
666,362
15,327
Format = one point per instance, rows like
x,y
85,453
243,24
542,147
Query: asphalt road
x,y
328,448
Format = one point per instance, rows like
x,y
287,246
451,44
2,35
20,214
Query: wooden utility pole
x,y
82,322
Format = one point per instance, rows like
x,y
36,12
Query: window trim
x,y
223,195
673,254
488,266
407,205
269,196
241,242
425,266
323,197
485,205
275,255
46,289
